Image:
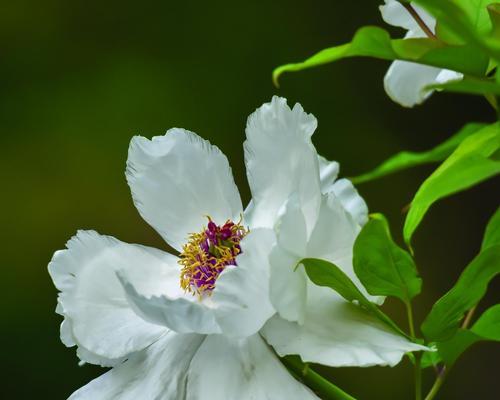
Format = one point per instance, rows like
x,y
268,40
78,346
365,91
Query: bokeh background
x,y
79,78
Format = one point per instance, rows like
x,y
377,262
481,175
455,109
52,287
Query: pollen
x,y
207,254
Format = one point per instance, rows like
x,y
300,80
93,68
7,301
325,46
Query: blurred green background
x,y
80,78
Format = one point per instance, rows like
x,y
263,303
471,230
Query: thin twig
x,y
468,317
418,19
437,384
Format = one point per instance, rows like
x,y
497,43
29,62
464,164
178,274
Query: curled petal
x,y
328,173
405,82
97,313
352,202
157,297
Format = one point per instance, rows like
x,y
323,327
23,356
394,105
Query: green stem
x,y
417,369
323,387
437,384
409,312
418,378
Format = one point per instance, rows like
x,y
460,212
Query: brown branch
x,y
468,317
418,19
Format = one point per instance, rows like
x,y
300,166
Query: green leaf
x,y
469,164
492,233
477,11
465,19
443,320
487,328
375,42
383,268
324,273
450,350
494,12
469,86
488,325
408,159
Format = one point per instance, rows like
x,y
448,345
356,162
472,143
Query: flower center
x,y
207,254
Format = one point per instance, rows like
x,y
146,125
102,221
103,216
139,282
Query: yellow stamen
x,y
200,268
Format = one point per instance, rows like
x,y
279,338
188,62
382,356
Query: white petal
x,y
182,312
343,189
281,160
328,172
245,369
353,203
241,294
159,372
288,288
395,14
332,239
291,227
177,180
335,232
85,355
337,333
405,81
93,301
446,76
66,328
248,213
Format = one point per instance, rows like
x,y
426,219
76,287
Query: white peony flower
x,y
190,326
405,81
165,340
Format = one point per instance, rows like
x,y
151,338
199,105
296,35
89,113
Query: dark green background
x,y
79,78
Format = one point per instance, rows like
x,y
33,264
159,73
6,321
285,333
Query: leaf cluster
x,y
467,40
